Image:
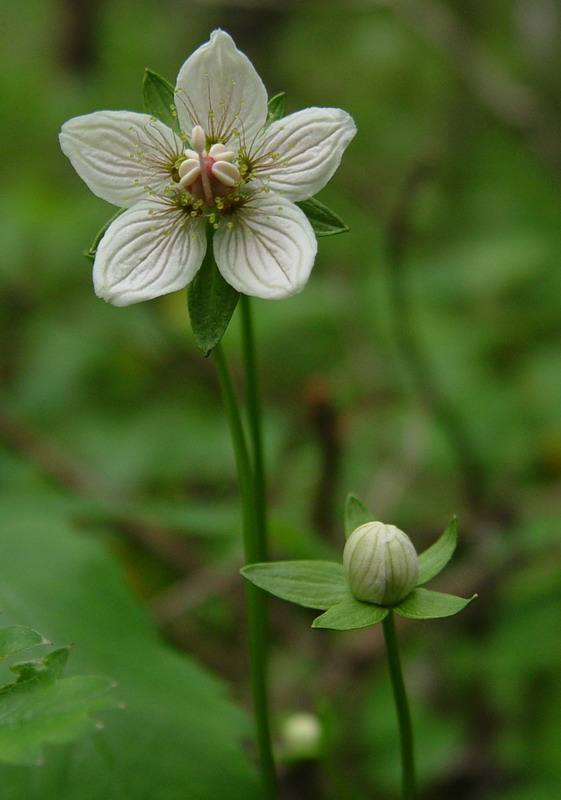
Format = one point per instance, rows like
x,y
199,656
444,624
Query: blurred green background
x,y
420,369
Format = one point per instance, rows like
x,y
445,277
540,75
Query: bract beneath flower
x,y
227,169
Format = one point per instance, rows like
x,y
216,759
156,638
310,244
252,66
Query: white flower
x,y
227,168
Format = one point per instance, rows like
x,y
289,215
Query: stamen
x,y
189,171
228,174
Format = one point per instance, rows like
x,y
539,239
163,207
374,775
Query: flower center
x,y
204,174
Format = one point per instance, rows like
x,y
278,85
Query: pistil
x,y
205,166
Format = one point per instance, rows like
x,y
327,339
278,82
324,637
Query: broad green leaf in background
x,y
177,736
356,514
312,584
211,302
435,557
324,221
159,100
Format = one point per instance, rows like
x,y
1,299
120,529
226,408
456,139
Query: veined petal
x,y
219,89
121,155
305,150
270,249
148,252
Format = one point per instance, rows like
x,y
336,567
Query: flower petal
x,y
219,89
305,149
146,253
270,249
121,153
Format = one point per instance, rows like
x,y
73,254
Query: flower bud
x,y
302,736
381,564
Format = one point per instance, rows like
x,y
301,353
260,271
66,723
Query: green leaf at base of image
x,y
312,584
356,514
434,558
40,707
425,604
159,100
211,302
178,734
324,221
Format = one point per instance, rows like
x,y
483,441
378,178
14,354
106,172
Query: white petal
x,y
119,153
305,150
270,250
218,88
144,255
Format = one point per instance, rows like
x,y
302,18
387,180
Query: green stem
x,y
255,427
402,708
256,608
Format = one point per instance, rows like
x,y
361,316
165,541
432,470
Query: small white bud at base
x,y
301,736
381,564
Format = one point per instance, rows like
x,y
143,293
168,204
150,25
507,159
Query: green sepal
x,y
276,107
435,557
324,221
424,604
211,302
312,584
351,614
17,638
356,514
159,100
91,252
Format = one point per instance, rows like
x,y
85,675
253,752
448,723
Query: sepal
x,y
351,614
159,100
312,584
425,604
356,514
276,107
211,302
90,253
324,221
434,558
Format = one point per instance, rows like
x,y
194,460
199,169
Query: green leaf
x,y
276,107
90,253
47,670
424,604
178,729
350,614
16,638
324,221
159,100
356,514
435,557
40,708
211,302
313,584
